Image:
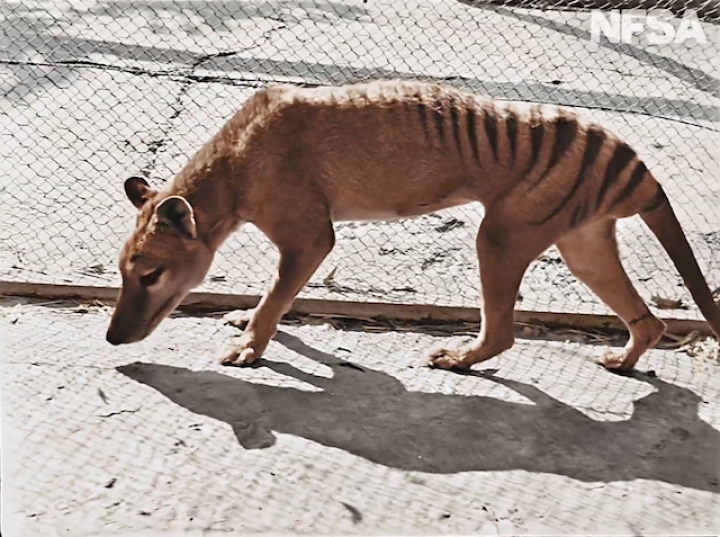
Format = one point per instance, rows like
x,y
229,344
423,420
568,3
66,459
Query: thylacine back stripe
x,y
422,110
621,157
511,128
439,122
472,135
636,178
595,139
566,129
579,213
537,133
491,130
455,126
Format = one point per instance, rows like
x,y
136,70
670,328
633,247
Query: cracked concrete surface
x,y
97,90
343,431
337,431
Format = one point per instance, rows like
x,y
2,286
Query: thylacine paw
x,y
448,359
238,356
239,318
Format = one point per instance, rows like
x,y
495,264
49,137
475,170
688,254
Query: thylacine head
x,y
160,263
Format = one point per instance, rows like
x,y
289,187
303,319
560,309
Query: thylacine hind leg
x,y
505,250
591,254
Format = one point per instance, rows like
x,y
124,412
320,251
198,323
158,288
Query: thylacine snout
x,y
127,327
292,161
160,263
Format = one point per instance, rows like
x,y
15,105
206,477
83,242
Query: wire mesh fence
x,y
339,423
94,91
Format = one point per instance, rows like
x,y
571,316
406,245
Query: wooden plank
x,y
420,313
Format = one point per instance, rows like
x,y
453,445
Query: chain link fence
x,y
340,431
94,91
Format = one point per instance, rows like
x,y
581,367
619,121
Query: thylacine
x,y
293,161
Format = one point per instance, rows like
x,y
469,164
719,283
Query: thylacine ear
x,y
138,191
175,211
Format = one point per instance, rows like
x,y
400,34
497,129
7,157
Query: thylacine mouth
x,y
155,319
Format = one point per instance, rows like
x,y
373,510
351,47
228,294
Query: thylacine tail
x,y
660,218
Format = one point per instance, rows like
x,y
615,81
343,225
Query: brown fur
x,y
293,161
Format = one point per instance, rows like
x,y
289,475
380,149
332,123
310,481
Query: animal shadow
x,y
371,414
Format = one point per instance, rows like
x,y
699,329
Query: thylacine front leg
x,y
303,246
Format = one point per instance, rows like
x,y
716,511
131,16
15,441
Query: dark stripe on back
x,y
579,213
455,126
621,157
439,124
511,127
566,129
537,132
596,138
472,135
422,110
660,199
636,178
491,131
594,141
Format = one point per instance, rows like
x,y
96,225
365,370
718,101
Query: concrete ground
x,y
344,431
93,91
339,430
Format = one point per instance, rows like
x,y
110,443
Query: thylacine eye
x,y
152,278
